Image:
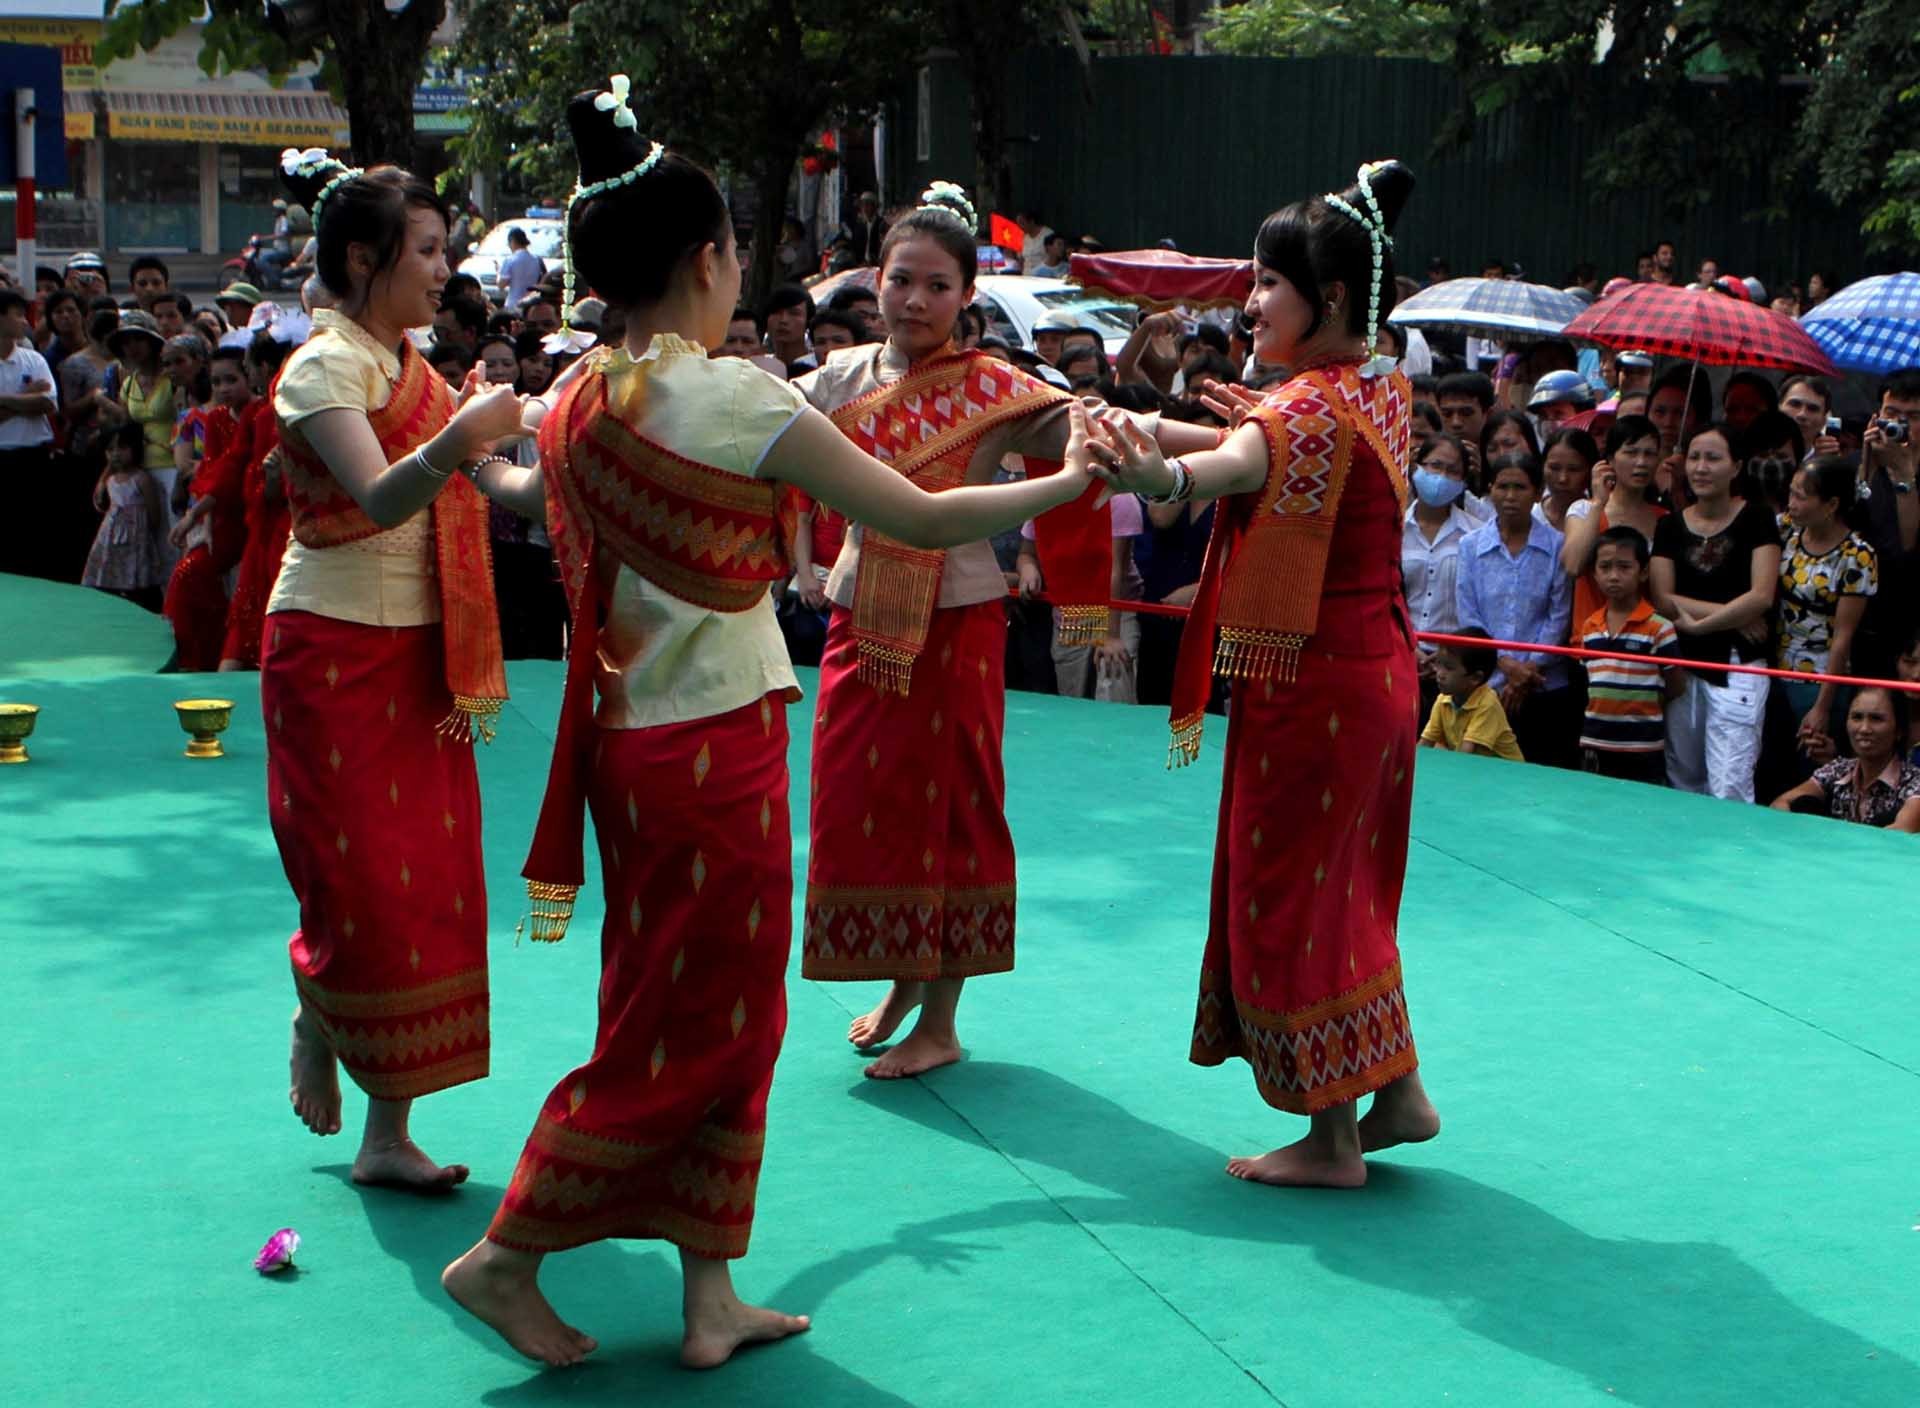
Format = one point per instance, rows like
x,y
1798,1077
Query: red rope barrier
x,y
1572,652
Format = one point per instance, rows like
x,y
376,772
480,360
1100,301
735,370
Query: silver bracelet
x,y
1182,489
426,468
472,471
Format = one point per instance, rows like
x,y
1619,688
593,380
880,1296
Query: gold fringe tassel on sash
x,y
893,604
1082,625
551,910
471,718
1185,745
1251,653
885,667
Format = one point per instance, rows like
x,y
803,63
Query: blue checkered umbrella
x,y
1502,309
1872,325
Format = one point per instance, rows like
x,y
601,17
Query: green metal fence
x,y
1199,149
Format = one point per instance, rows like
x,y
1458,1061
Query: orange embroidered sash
x,y
325,516
1267,555
709,537
927,426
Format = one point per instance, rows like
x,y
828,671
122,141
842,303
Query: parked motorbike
x,y
250,266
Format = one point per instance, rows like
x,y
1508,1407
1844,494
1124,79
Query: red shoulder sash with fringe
x,y
1267,556
927,426
710,537
325,516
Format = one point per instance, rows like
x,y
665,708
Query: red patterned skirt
x,y
910,871
259,569
660,1133
1301,977
377,815
196,604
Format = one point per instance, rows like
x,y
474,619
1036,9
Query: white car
x,y
544,236
1015,303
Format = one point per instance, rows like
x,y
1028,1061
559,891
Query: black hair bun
x,y
604,147
1391,184
305,173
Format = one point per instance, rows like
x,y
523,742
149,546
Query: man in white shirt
x,y
27,404
521,269
1033,250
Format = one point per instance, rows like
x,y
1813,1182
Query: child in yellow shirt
x,y
1467,717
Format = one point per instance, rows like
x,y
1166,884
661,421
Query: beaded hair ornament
x,y
613,101
946,198
1375,224
309,164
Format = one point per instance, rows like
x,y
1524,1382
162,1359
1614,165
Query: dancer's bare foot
x,y
500,1288
403,1164
1310,1163
1399,1115
716,1328
915,1055
879,1024
315,1087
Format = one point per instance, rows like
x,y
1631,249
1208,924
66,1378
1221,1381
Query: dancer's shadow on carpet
x,y
625,1294
1654,1323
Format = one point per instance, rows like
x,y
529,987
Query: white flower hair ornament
x,y
949,199
311,163
1374,222
615,101
568,341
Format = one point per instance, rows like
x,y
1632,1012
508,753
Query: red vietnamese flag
x,y
1005,234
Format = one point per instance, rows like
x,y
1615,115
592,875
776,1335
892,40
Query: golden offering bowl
x,y
206,720
16,722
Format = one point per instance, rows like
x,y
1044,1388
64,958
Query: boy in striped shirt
x,y
1626,727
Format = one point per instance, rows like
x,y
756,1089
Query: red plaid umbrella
x,y
1164,278
1703,327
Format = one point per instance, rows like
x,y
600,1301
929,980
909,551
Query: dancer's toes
x,y
404,1165
872,1028
510,1301
914,1056
1303,1165
314,1091
715,1331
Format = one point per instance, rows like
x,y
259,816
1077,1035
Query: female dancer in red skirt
x,y
1301,976
661,484
381,650
910,867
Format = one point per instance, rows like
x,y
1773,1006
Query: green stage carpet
x,y
1672,1039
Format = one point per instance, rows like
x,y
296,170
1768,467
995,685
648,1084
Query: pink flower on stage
x,y
278,1252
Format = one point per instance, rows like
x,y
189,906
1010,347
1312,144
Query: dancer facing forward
x,y
684,761
382,648
910,870
1302,970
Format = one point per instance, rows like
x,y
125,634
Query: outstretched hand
x,y
1130,457
1087,450
489,414
1229,400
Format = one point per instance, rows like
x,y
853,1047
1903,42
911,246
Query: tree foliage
x,y
388,49
1823,96
982,51
1382,29
739,83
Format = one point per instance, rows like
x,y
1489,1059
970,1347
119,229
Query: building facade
x,y
165,158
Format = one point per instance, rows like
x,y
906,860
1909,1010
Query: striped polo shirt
x,y
1626,702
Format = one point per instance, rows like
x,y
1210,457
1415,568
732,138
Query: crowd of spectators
x,y
1682,520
